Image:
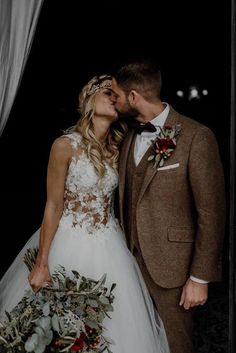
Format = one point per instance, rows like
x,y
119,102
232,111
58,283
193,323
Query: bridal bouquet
x,y
66,317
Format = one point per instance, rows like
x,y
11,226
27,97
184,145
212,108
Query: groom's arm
x,y
207,181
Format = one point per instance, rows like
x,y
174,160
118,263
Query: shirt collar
x,y
160,119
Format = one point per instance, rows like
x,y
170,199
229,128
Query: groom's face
x,y
122,105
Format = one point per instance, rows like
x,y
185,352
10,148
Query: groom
x,y
172,202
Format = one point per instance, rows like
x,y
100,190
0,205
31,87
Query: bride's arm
x,y
60,155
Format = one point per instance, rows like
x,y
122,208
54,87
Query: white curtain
x,y
18,20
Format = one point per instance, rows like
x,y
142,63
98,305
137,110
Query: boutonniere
x,y
164,145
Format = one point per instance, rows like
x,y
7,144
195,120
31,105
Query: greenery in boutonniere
x,y
164,145
66,317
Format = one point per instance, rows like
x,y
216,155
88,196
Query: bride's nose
x,y
113,98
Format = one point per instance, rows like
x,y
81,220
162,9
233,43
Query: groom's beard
x,y
128,113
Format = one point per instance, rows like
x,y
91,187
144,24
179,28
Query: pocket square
x,y
171,166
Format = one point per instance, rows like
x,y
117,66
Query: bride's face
x,y
105,100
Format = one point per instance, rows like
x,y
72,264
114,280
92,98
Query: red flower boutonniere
x,y
164,145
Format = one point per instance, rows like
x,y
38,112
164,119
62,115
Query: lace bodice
x,y
88,199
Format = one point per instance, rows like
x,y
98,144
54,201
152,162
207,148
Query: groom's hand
x,y
193,294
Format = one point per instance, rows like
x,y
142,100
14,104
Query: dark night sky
x,y
75,40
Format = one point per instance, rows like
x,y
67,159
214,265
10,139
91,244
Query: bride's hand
x,y
39,277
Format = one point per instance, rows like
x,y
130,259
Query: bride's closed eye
x,y
109,92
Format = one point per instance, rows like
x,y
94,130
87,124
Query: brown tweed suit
x,y
174,220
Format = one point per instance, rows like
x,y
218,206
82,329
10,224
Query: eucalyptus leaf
x,y
104,300
150,158
44,323
113,287
8,315
31,343
109,307
93,303
172,134
103,348
39,331
107,315
46,309
108,340
40,348
92,324
76,274
100,283
78,283
47,338
55,323
178,128
101,316
61,321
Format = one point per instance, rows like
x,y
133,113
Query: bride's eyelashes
x,y
110,93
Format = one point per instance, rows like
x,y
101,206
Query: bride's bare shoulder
x,y
61,148
65,146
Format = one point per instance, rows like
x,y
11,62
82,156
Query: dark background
x,y
75,40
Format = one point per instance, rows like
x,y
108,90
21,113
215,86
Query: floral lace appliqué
x,y
88,199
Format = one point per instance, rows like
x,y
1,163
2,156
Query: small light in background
x,y
193,93
180,93
205,92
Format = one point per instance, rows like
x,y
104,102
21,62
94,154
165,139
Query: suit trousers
x,y
178,321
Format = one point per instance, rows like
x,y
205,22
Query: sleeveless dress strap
x,y
75,140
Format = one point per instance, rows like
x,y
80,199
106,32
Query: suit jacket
x,y
180,209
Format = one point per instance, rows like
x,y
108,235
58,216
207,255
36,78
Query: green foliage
x,y
66,317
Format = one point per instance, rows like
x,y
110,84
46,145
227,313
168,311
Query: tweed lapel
x,y
122,168
150,172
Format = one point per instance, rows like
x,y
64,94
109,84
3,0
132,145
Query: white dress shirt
x,y
143,142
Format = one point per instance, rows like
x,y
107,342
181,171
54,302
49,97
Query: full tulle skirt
x,y
135,326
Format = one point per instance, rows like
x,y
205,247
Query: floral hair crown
x,y
98,86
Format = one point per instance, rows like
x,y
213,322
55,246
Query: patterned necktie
x,y
140,127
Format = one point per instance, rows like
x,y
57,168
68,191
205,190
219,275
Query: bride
x,y
79,230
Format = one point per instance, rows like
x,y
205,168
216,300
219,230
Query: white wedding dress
x,y
90,240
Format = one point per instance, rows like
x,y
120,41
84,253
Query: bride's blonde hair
x,y
108,151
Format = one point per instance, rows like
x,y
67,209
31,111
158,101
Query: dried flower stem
x,y
30,257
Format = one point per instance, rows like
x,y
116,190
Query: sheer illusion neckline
x,y
88,198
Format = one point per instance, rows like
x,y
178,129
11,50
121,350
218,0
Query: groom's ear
x,y
133,97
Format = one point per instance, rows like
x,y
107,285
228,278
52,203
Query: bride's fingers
x,y
35,289
46,284
48,281
43,285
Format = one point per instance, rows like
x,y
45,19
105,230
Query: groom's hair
x,y
144,76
